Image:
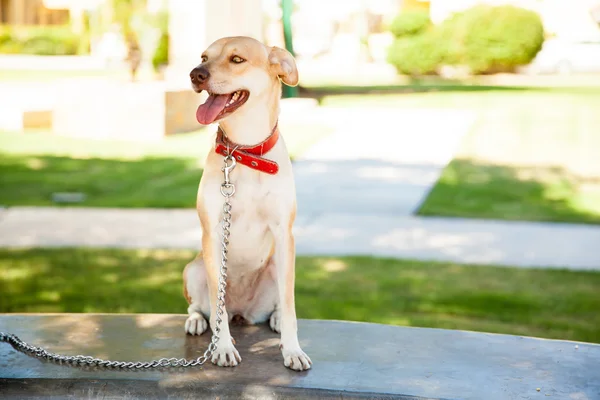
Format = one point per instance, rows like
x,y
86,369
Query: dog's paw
x,y
294,358
226,354
275,321
195,324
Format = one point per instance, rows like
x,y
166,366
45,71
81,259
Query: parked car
x,y
565,57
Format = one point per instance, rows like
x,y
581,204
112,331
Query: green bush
x,y
161,54
486,39
4,37
493,39
418,55
410,23
8,45
39,40
49,46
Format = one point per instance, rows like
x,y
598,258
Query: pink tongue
x,y
207,112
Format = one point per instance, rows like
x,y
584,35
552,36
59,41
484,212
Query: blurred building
x,y
44,12
47,12
31,12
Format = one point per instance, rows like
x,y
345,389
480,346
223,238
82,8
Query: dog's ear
x,y
283,64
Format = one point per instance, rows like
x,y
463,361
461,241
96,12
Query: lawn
x,y
532,154
34,165
543,303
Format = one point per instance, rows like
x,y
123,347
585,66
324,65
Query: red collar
x,y
250,156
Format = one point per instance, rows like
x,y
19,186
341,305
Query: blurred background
x,y
446,155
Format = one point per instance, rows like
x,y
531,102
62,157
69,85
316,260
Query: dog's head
x,y
237,71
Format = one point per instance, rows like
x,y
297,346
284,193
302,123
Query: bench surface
x,y
351,360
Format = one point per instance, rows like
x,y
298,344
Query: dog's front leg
x,y
285,260
226,354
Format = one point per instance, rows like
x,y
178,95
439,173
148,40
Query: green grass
x,y
531,154
543,303
114,173
469,188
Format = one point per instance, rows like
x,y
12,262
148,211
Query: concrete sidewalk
x,y
521,244
379,160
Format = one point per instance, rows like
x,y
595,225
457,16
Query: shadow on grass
x,y
145,182
414,87
422,85
81,280
543,303
474,189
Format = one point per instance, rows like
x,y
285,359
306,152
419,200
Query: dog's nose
x,y
199,74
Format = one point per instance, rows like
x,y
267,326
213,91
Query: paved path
x,y
459,240
379,161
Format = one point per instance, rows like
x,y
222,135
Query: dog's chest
x,y
258,198
260,203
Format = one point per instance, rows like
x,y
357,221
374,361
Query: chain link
x,y
227,190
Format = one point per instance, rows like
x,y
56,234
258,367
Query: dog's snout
x,y
199,75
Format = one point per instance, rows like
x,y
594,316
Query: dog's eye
x,y
204,58
237,59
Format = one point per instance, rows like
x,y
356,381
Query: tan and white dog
x,y
243,79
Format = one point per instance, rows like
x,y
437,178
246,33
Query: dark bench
x,y
351,360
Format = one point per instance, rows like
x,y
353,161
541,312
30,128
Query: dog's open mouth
x,y
219,105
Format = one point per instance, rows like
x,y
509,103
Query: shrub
x,y
161,54
8,45
49,46
418,55
39,41
493,39
4,37
486,39
410,23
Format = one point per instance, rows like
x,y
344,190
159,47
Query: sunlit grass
x,y
543,303
474,189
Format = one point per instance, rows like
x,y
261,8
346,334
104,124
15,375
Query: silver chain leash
x,y
227,190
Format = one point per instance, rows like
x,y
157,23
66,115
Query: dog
x,y
243,78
